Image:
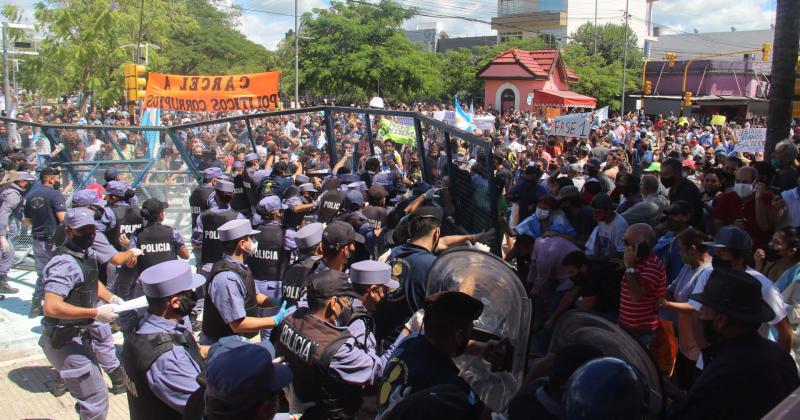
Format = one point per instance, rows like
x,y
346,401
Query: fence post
x,y
370,139
421,148
493,209
184,155
448,148
330,138
250,135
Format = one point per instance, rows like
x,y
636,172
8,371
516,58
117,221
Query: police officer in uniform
x,y
158,243
205,235
162,357
277,182
251,165
271,257
128,220
371,280
241,201
339,242
330,205
309,249
299,205
12,202
374,230
231,305
71,290
329,368
202,198
44,210
353,205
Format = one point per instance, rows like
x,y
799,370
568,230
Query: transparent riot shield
x,y
583,327
506,314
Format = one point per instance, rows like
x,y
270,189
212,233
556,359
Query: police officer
x,y
329,368
158,243
330,204
202,198
299,205
309,250
12,202
44,210
122,279
110,174
205,235
251,165
162,358
277,182
231,299
241,202
271,257
71,290
338,243
372,280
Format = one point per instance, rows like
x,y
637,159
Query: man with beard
x,y
682,189
746,375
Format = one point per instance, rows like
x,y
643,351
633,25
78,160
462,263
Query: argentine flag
x,y
463,121
151,117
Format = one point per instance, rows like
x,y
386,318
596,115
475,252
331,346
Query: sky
x,y
267,21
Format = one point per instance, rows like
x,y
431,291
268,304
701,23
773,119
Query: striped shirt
x,y
643,313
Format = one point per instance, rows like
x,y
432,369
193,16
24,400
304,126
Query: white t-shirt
x,y
516,147
92,150
769,293
792,215
607,238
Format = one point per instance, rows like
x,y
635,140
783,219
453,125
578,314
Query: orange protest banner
x,y
240,92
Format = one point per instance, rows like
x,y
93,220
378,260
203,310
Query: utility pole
x,y
6,87
296,60
784,60
624,62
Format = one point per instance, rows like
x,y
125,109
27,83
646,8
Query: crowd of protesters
x,y
655,223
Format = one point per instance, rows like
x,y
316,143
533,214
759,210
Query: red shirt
x,y
729,207
643,313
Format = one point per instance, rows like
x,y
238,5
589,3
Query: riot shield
x,y
583,327
506,314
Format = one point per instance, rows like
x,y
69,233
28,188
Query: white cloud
x,y
266,31
714,15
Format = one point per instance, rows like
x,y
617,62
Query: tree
x,y
610,40
784,56
350,49
598,79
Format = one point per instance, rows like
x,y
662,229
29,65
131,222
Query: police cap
x,y
235,229
454,305
169,278
224,186
330,283
309,235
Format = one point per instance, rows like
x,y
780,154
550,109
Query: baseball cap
x,y
455,305
339,233
654,167
731,237
117,188
243,376
354,198
78,217
49,171
153,206
330,283
85,198
428,212
111,174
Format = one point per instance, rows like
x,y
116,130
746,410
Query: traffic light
x,y
135,81
671,59
765,49
648,87
687,99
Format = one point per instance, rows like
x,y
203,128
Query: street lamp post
x,y
296,60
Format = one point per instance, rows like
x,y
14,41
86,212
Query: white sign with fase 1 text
x,y
750,140
572,125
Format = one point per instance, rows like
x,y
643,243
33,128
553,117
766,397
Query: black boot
x,y
36,309
118,381
57,387
5,288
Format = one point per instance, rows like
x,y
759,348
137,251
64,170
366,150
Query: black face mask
x,y
185,306
667,182
720,264
771,254
83,242
709,333
344,317
57,185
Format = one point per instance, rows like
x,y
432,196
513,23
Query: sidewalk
x,y
24,371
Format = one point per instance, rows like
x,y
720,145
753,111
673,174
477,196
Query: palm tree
x,y
784,59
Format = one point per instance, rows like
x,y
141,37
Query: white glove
x,y
482,247
432,194
116,300
4,244
136,252
106,314
414,323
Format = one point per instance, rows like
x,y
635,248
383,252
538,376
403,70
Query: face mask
x,y
743,190
83,242
462,347
775,163
686,259
185,306
343,319
542,214
667,182
771,254
720,264
57,185
250,250
709,332
675,225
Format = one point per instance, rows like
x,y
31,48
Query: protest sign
x,y
447,117
571,125
750,140
484,123
398,133
717,120
241,92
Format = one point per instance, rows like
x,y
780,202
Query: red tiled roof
x,y
538,62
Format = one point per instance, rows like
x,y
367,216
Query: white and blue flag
x,y
463,121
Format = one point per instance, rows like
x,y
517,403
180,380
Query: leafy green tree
x,y
610,39
598,79
350,49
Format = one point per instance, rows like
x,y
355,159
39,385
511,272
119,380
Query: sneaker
x,y
36,311
57,388
5,288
